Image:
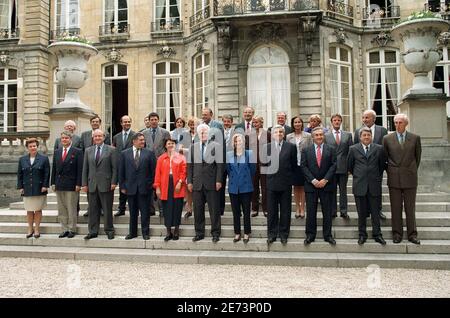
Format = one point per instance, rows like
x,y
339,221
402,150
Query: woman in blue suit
x,y
240,168
33,176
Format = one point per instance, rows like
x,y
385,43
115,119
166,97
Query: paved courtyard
x,y
64,278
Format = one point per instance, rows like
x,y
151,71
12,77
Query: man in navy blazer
x,y
319,167
136,175
66,177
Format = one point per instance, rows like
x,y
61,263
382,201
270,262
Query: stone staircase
x,y
433,222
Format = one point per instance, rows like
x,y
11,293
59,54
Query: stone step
x,y
422,219
420,206
226,244
417,261
426,233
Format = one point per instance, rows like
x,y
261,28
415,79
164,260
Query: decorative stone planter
x,y
421,54
72,71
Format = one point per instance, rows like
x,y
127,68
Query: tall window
x,y
8,99
67,14
167,92
383,85
113,77
441,76
8,19
59,90
341,84
438,5
202,82
167,14
116,15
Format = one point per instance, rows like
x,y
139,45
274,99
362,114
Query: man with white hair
x,y
403,150
70,126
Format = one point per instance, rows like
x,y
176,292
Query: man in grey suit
x,y
87,136
122,141
341,141
378,133
99,181
366,162
205,173
247,124
70,126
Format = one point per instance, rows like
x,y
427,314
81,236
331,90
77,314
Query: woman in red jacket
x,y
170,186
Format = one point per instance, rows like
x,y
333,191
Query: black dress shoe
x,y
284,241
187,214
38,235
175,237
30,235
90,236
362,240
246,238
237,238
152,214
168,237
308,240
146,237
397,240
130,237
71,235
270,240
382,216
331,241
344,215
197,238
63,234
110,236
119,213
215,239
380,240
414,240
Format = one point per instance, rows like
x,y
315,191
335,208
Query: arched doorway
x,y
268,82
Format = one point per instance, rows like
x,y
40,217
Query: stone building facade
x,y
176,56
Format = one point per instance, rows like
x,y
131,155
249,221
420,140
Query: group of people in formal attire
x,y
190,167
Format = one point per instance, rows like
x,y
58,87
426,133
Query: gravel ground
x,y
63,278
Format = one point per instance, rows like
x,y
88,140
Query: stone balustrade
x,y
12,144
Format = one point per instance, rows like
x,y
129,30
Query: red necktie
x,y
64,154
338,140
319,156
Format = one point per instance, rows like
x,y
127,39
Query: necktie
x,y
153,134
279,147
338,140
203,151
402,140
97,155
125,138
136,158
367,151
248,127
64,154
319,156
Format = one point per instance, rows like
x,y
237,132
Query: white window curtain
x,y
109,11
334,88
175,93
257,93
4,14
392,83
374,74
280,89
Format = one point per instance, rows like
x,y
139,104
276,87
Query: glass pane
x,y
345,93
277,56
2,74
122,4
344,54
161,68
345,74
332,52
12,105
198,80
206,59
12,74
374,57
259,57
390,57
109,4
12,121
109,71
12,90
174,68
198,62
161,85
1,119
122,70
175,85
123,15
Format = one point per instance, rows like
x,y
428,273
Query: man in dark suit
x,y
246,125
66,182
122,141
99,181
87,136
340,141
319,167
278,166
281,120
136,175
378,133
70,126
366,162
403,150
205,173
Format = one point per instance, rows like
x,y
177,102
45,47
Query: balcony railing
x,y
63,32
13,143
241,7
379,17
442,9
6,34
114,32
340,8
200,16
164,28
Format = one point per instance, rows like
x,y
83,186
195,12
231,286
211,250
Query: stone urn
x,y
72,70
421,53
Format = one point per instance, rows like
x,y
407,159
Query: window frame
x,y
116,13
167,16
4,85
202,70
445,64
67,15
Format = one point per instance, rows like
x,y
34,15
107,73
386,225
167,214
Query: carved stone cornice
x,y
224,38
166,51
340,35
268,32
4,58
382,38
113,55
444,39
199,43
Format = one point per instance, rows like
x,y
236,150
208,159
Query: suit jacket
x,y
179,172
67,174
137,179
380,132
367,171
306,141
279,174
86,139
240,173
341,149
208,172
312,171
76,141
102,175
402,162
157,147
33,177
215,124
118,141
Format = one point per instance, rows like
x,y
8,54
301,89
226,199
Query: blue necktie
x,y
153,134
203,151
